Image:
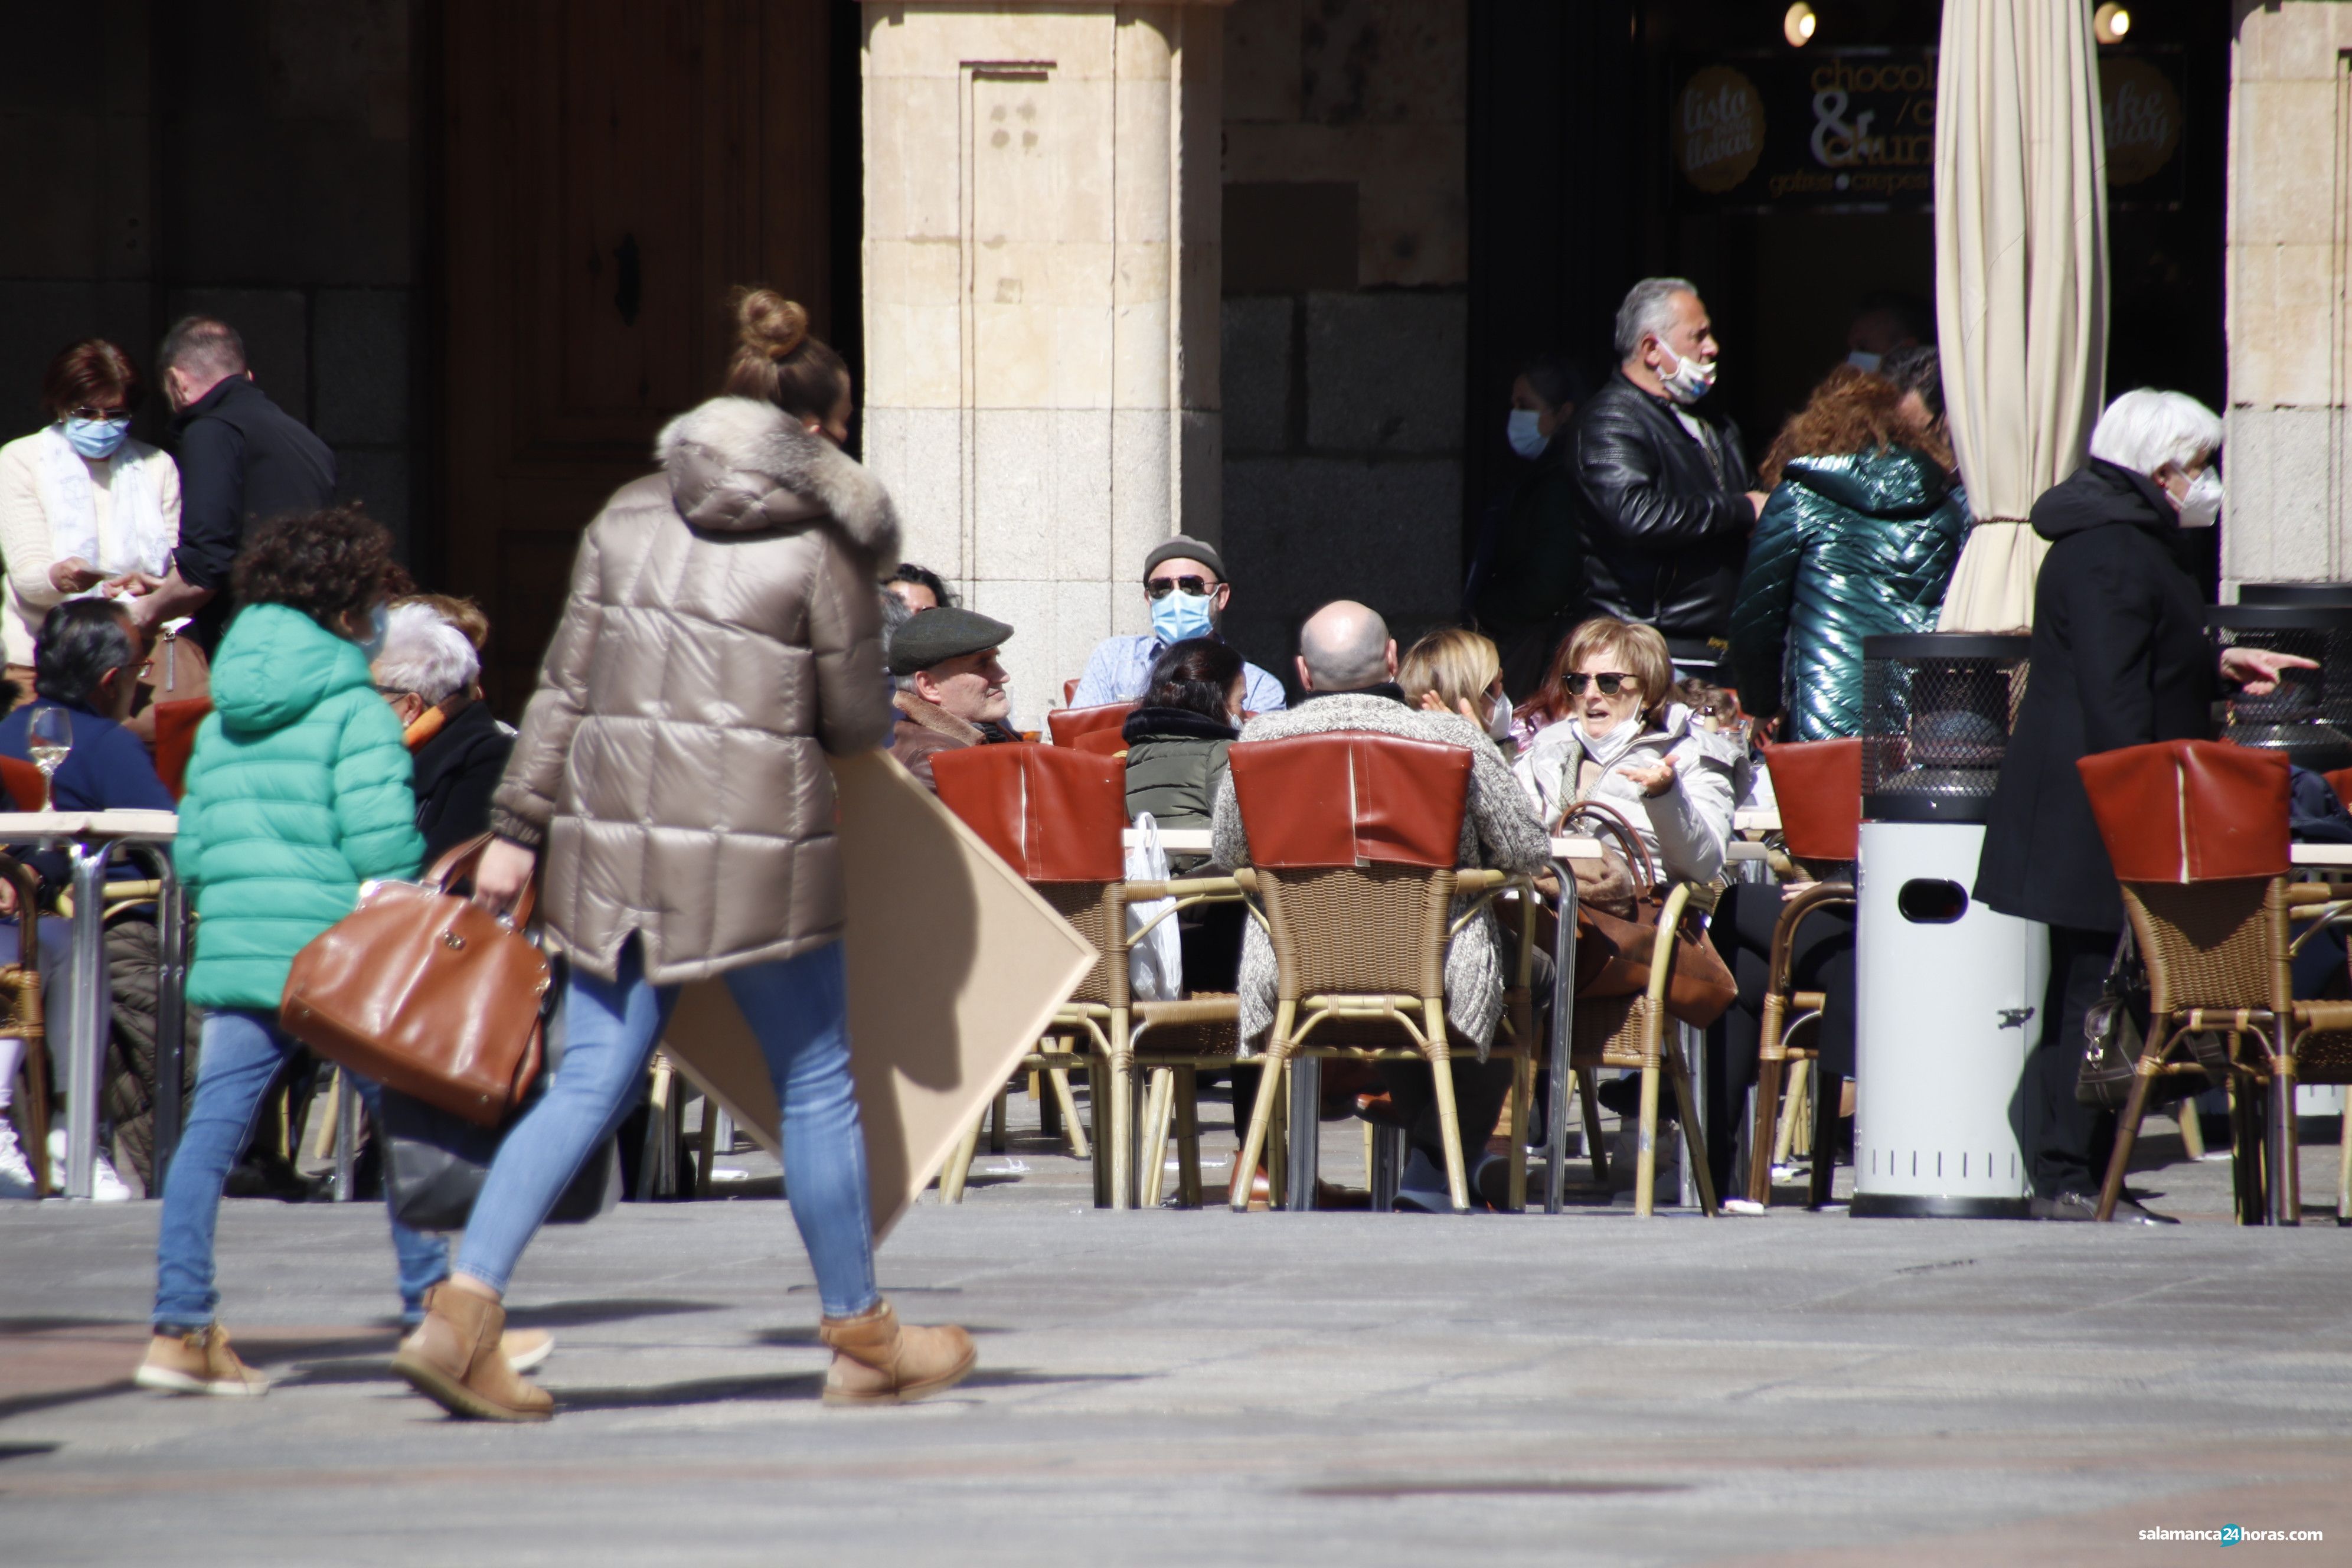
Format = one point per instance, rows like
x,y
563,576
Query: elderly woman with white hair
x,y
2120,659
426,670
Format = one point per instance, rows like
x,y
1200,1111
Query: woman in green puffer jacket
x,y
297,792
1859,537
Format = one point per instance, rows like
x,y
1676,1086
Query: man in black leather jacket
x,y
1663,488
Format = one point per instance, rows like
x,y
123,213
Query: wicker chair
x,y
2198,833
1353,838
1057,815
1066,724
20,997
1819,787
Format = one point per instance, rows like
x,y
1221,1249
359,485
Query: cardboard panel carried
x,y
955,969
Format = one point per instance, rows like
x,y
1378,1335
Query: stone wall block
x,y
275,325
360,347
1079,493
2281,463
1257,358
1200,476
1384,372
1013,533
1140,370
1141,488
2295,121
1031,655
38,319
918,453
920,40
1262,40
910,190
378,480
1082,617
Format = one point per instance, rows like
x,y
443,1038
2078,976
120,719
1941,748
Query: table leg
x,y
1563,1009
1305,1129
86,1048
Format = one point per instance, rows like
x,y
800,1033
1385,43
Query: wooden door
x,y
612,168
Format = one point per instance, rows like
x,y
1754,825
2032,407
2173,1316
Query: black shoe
x,y
2073,1206
1623,1096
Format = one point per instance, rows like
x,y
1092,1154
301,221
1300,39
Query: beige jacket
x,y
723,632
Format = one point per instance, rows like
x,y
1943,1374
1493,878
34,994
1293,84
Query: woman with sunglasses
x,y
1625,742
81,504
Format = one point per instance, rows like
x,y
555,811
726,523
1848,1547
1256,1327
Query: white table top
x,y
2321,855
23,827
1765,819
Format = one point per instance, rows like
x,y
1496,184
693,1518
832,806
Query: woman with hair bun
x,y
81,504
721,636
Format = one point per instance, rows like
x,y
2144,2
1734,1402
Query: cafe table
x,y
90,839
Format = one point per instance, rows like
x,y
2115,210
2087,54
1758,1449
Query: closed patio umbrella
x,y
2020,277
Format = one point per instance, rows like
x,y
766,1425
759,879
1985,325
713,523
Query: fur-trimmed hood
x,y
737,464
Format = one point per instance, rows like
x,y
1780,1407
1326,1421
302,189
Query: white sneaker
x,y
16,1171
105,1185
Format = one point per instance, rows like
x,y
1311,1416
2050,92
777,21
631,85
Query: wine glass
x,y
49,737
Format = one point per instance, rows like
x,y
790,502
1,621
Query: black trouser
x,y
1822,961
1479,1090
2065,1139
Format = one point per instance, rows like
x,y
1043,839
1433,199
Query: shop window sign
x,y
1855,130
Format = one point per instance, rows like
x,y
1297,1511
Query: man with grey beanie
x,y
1184,581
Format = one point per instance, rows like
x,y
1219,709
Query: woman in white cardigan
x,y
1625,744
83,507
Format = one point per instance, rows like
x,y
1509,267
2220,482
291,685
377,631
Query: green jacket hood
x,y
1894,483
276,665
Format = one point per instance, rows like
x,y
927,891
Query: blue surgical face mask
x,y
97,439
1178,616
1527,437
379,623
1862,358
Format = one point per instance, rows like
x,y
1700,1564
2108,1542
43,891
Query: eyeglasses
x,y
87,413
1610,684
1160,587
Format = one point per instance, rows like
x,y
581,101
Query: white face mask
x,y
1499,719
2202,506
1526,436
1862,358
1690,380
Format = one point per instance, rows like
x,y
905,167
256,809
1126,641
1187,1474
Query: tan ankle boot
x,y
525,1349
454,1360
198,1363
879,1361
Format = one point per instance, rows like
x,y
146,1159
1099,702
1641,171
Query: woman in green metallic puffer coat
x,y
1859,538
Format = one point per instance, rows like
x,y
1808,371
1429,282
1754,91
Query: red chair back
x,y
1101,743
1351,798
2190,811
1818,785
1069,690
177,724
1066,724
2342,781
23,781
1054,813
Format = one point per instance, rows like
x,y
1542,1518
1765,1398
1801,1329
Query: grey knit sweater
x,y
1498,830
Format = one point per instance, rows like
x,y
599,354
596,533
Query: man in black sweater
x,y
242,459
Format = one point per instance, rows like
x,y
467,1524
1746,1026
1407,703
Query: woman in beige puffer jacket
x,y
722,635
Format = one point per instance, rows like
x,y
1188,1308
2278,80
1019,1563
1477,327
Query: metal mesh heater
x,y
2309,717
2335,594
1936,710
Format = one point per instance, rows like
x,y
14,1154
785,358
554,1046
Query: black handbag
x,y
2113,1041
434,1162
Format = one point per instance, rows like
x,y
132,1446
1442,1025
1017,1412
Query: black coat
x,y
2120,659
457,771
1666,516
242,459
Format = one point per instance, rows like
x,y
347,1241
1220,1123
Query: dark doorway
x,y
607,171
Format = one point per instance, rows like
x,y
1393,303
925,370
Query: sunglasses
x,y
106,413
1610,684
1160,587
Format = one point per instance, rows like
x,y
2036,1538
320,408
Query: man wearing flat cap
x,y
1184,579
950,687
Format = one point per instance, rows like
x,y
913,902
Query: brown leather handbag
x,y
1613,954
420,992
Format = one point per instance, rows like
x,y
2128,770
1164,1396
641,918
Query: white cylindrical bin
x,y
1948,999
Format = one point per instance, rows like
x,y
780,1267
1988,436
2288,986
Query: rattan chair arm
x,y
2331,1016
1196,889
1662,951
1480,881
1807,901
2300,896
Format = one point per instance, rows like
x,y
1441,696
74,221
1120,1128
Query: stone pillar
x,y
2289,459
1042,285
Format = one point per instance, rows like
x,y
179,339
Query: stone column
x,y
2289,459
1042,286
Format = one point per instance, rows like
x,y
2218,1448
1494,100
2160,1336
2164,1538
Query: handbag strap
x,y
461,859
1616,823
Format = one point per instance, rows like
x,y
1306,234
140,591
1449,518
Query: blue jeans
x,y
799,1009
242,1050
